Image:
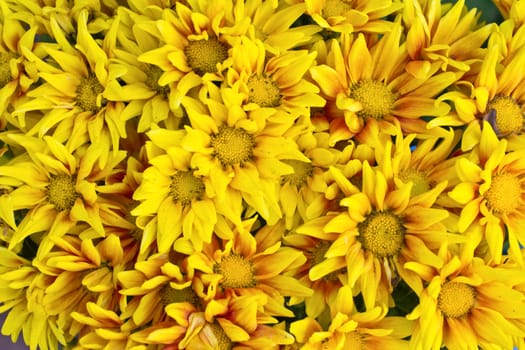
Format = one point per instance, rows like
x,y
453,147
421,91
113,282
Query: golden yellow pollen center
x,y
186,187
376,99
232,146
505,115
61,192
169,295
88,92
355,341
335,8
152,80
456,299
204,55
420,181
504,194
263,91
317,256
236,271
301,172
223,342
382,233
5,68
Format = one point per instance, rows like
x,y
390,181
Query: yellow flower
x,y
74,81
172,195
58,187
466,303
241,156
369,85
448,36
273,85
352,16
378,229
491,192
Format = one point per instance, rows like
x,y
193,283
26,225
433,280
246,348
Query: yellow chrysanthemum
x,y
367,85
449,36
241,155
173,196
467,304
58,187
71,96
352,16
370,330
491,192
273,85
381,229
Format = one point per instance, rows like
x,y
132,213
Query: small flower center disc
x,y
237,272
88,92
335,8
456,299
61,192
420,183
204,55
152,80
186,187
5,68
375,97
223,342
169,295
382,233
302,171
505,115
263,91
232,146
504,193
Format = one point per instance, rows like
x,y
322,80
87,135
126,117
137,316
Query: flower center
x,y
263,91
301,172
204,55
505,115
169,295
382,233
355,341
456,299
375,97
334,8
61,192
419,179
152,80
5,68
186,187
236,271
504,193
232,146
223,342
317,256
87,93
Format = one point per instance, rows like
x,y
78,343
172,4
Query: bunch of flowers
x,y
317,174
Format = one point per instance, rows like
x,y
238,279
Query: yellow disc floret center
x,y
263,91
232,146
152,80
376,99
88,94
335,8
186,187
301,172
456,299
61,192
355,341
169,295
505,115
504,193
420,181
223,342
236,271
204,55
382,233
5,68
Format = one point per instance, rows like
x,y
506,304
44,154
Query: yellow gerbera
x,y
467,304
72,91
366,85
241,155
438,33
58,187
491,192
352,16
273,85
381,229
